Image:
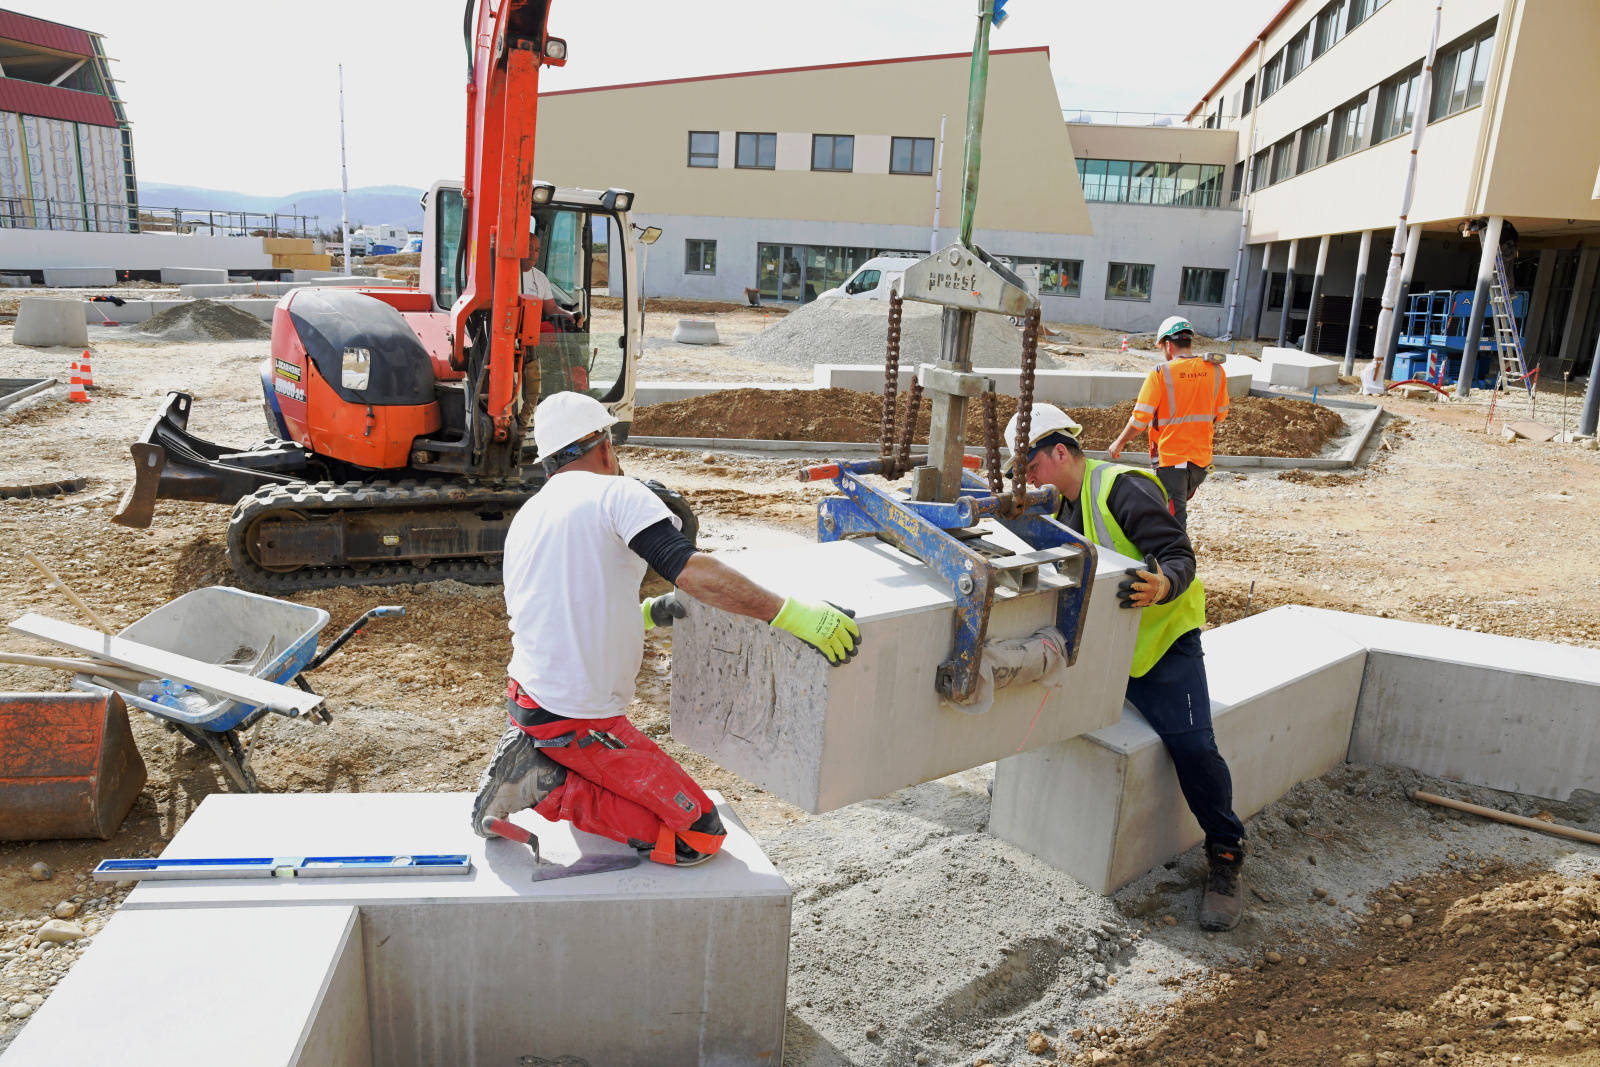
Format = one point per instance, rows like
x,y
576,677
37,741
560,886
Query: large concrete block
x,y
80,277
763,704
213,292
47,321
649,966
1487,710
194,276
1298,370
1106,807
250,987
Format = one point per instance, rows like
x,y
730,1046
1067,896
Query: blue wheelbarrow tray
x,y
223,626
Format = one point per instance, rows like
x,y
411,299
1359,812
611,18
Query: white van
x,y
874,278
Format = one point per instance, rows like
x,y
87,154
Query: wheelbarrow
x,y
259,635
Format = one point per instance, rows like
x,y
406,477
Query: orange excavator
x,y
399,417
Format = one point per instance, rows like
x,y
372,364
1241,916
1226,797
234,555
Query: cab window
x,y
584,353
447,245
864,282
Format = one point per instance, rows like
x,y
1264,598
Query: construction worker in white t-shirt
x,y
574,558
536,286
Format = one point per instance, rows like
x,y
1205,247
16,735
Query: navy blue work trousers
x,y
1173,698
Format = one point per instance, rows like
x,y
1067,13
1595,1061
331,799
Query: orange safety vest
x,y
1180,402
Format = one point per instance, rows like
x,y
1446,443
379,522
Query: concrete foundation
x,y
763,704
1106,807
193,275
250,987
652,965
80,277
1298,370
47,321
1064,388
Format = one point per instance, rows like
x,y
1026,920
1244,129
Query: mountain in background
x,y
368,206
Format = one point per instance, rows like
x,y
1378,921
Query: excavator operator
x,y
536,286
574,557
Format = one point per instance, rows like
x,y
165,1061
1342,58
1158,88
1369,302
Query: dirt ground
x,y
1442,523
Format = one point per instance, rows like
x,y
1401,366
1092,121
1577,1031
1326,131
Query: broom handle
x,y
57,583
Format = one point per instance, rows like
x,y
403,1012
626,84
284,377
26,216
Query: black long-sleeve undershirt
x,y
664,547
1140,508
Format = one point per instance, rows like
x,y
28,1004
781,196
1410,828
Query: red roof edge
x,y
795,70
54,102
45,34
1251,47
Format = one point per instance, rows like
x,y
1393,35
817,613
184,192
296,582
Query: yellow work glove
x,y
827,627
662,610
1143,586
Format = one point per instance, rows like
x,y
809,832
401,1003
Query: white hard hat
x,y
1175,324
565,418
1047,419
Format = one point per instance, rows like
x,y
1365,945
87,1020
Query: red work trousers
x,y
621,785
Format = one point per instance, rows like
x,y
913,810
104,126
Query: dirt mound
x,y
833,330
205,320
1255,426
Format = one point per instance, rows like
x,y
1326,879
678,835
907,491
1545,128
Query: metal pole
x,y
938,187
344,178
1235,304
1316,292
1391,284
1408,269
1288,294
1590,418
1355,301
1480,304
977,91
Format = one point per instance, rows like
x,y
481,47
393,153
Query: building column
x,y
1480,304
1362,258
1408,267
1538,299
1288,293
1590,418
1582,286
1266,288
1316,290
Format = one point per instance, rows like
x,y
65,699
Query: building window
x,y
1202,285
1349,128
703,148
1361,10
1313,145
1272,76
796,273
831,151
1397,104
700,257
1139,182
1463,70
1057,277
1129,281
1259,169
1238,183
757,151
1297,53
1249,98
1282,160
1331,22
1275,291
911,155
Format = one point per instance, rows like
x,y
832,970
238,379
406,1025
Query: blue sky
x,y
244,96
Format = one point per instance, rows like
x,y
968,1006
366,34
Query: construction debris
x,y
204,320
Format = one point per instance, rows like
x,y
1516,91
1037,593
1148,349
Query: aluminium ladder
x,y
1507,338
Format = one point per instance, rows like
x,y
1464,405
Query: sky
x,y
244,97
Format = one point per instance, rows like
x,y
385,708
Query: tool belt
x,y
525,713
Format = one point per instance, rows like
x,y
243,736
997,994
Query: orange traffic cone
x,y
75,392
1124,347
84,374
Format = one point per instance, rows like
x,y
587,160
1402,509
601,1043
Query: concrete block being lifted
x,y
80,277
649,966
251,987
193,276
1298,370
1106,807
51,321
765,705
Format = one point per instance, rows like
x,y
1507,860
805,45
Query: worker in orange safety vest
x,y
1180,404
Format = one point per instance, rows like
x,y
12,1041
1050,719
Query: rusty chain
x,y
1019,460
891,376
902,461
991,444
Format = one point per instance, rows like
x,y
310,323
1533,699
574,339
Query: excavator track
x,y
371,503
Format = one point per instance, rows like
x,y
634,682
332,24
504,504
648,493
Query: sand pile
x,y
835,330
205,320
1256,426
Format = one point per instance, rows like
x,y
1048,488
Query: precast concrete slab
x,y
765,705
652,965
193,276
1298,370
1501,712
216,292
50,321
249,987
80,277
1064,388
1106,807
1243,373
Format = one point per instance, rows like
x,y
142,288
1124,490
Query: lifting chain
x,y
891,376
991,444
1019,460
902,461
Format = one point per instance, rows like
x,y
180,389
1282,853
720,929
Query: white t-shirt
x,y
536,286
572,591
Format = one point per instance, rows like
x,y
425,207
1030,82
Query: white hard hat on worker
x,y
1047,419
565,419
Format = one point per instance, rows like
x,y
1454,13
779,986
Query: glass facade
x,y
797,274
1203,285
1129,281
1166,184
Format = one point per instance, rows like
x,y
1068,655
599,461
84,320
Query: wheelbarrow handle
x,y
386,611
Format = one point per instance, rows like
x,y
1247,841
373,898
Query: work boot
x,y
1224,898
518,776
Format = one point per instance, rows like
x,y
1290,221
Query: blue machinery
x,y
1433,336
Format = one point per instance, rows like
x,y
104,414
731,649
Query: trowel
x,y
545,870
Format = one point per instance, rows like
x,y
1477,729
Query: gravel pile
x,y
205,320
835,330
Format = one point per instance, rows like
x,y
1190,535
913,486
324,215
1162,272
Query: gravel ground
x,y
855,331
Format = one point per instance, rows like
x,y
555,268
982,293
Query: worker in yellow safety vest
x,y
1127,510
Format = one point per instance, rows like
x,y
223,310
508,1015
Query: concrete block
x,y
647,966
1243,372
193,276
214,292
45,321
16,281
1298,370
1064,388
1106,807
1502,712
251,987
323,278
764,705
259,306
696,332
80,277
288,246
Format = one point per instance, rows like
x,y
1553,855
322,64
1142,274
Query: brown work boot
x,y
1223,903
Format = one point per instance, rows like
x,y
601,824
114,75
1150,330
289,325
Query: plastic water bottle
x,y
174,695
